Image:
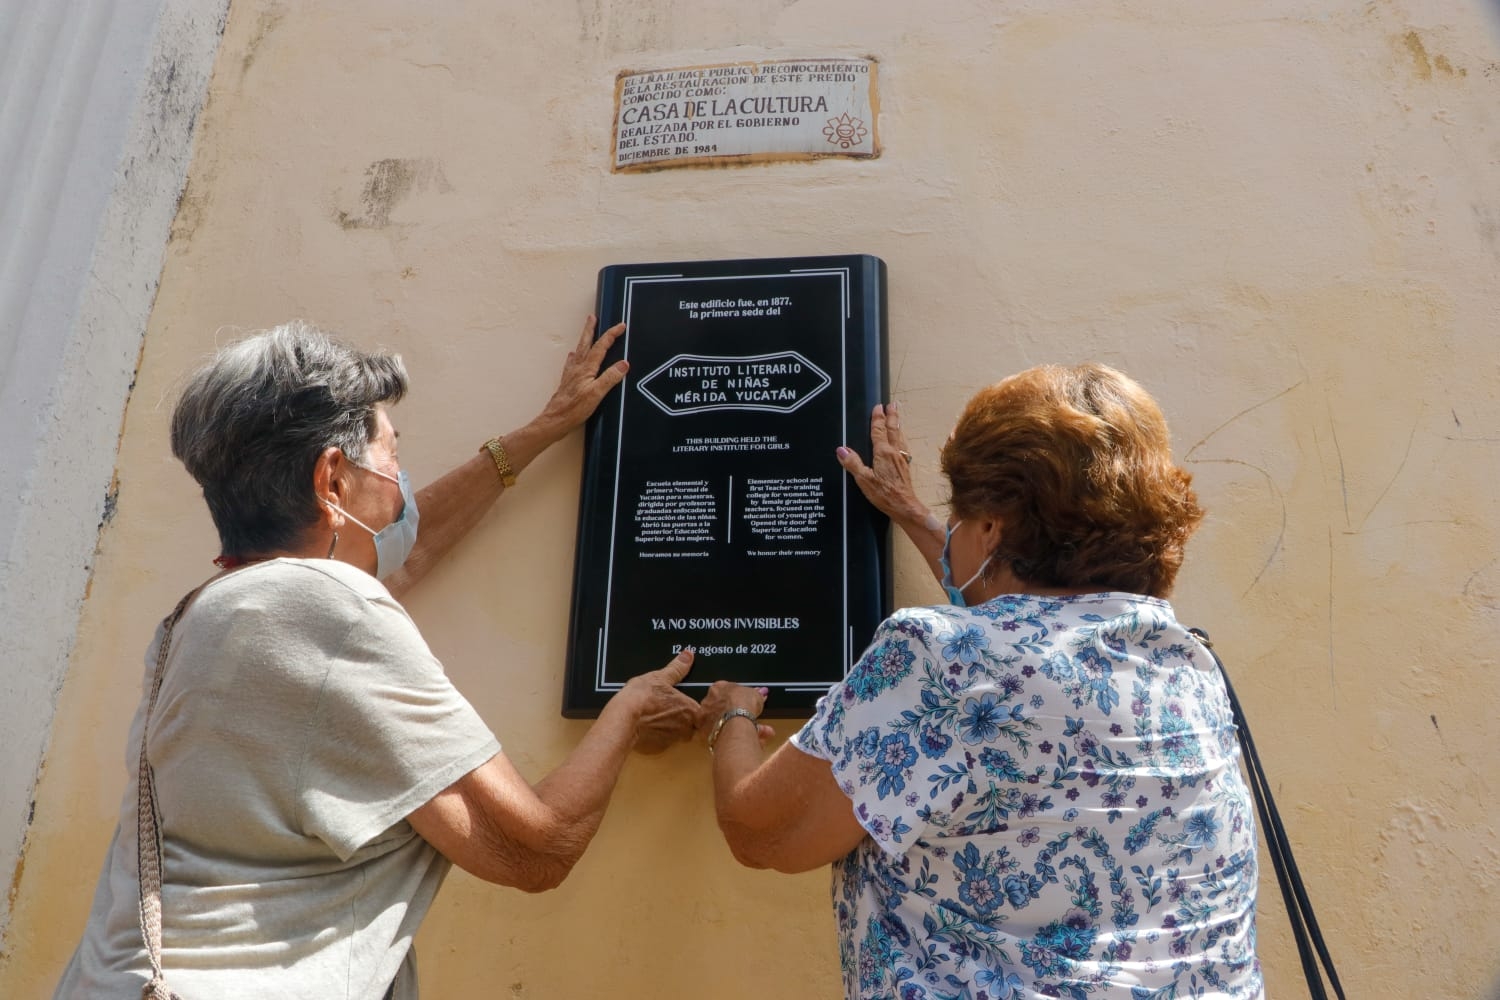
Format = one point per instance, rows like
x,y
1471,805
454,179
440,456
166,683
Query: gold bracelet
x,y
713,737
502,461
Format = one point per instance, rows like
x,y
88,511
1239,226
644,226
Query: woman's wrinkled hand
x,y
582,385
725,696
886,481
666,715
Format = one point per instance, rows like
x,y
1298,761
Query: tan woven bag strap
x,y
148,833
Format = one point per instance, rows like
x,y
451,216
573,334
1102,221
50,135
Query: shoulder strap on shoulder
x,y
148,832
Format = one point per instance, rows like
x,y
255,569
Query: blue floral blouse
x,y
1055,808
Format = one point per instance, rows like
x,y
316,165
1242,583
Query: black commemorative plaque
x,y
714,512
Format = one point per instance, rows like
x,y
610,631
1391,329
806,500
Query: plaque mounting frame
x,y
725,522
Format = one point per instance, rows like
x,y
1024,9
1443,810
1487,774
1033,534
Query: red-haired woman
x,y
1032,790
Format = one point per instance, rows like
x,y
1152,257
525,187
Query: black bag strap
x,y
1298,907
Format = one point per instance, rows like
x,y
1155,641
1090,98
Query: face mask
x,y
956,594
394,542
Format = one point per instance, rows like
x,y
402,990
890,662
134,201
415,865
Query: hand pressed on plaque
x,y
664,715
886,481
582,385
580,389
726,696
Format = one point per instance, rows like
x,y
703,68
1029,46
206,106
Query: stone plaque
x,y
789,109
713,511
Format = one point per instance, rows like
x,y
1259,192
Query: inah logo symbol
x,y
845,131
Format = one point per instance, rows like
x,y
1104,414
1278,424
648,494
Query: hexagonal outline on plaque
x,y
827,380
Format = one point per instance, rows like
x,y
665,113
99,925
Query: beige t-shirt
x,y
301,719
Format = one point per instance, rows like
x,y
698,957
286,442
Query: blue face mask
x,y
956,593
394,542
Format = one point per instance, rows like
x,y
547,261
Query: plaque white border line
x,y
829,270
809,272
843,273
609,574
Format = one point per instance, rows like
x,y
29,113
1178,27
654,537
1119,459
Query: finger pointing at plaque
x,y
667,715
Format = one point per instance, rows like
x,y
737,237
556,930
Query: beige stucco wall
x,y
1281,217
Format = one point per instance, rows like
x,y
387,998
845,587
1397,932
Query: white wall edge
x,y
96,161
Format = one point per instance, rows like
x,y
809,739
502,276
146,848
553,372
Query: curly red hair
x,y
1076,462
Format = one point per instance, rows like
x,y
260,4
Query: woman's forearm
x,y
747,829
926,533
498,827
648,714
455,502
450,507
525,443
578,790
786,812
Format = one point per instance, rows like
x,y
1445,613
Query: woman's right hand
x,y
886,481
664,715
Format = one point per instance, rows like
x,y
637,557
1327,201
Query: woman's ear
x,y
990,530
330,483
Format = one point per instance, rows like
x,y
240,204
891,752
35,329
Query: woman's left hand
x,y
582,385
725,696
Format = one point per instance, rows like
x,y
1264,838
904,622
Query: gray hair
x,y
251,423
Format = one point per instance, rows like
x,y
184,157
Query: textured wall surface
x,y
97,105
1282,217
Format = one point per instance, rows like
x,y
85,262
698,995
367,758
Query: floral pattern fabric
x,y
1055,808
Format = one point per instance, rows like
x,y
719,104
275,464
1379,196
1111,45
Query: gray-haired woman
x,y
306,772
